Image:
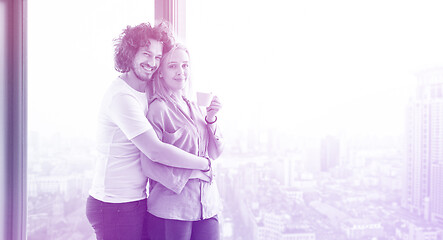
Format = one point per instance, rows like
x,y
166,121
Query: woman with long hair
x,y
192,213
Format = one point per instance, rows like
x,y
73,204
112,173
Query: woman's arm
x,y
216,143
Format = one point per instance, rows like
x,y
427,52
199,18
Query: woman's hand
x,y
213,109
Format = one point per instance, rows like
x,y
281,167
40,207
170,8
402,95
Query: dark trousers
x,y
207,229
116,221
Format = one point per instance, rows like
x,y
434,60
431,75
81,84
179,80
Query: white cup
x,y
204,99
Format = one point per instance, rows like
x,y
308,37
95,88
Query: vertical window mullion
x,y
14,218
173,11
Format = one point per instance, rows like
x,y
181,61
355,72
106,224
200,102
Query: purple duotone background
x,y
333,113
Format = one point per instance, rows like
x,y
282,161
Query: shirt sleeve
x,y
128,114
214,132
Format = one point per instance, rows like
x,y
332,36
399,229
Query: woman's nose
x,y
180,71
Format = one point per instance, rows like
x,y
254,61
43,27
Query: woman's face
x,y
175,70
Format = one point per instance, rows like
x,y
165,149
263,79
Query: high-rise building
x,y
423,191
330,153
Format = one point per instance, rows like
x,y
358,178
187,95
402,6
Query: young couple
x,y
148,128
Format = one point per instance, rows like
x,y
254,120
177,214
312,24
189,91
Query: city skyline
x,y
315,97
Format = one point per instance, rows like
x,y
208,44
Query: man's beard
x,y
145,79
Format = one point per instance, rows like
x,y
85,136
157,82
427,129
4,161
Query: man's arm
x,y
167,154
172,178
128,116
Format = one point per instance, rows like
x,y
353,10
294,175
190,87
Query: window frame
x,y
174,12
14,84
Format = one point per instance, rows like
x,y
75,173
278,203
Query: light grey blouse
x,y
190,132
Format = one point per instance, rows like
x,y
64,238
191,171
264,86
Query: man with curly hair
x,y
117,206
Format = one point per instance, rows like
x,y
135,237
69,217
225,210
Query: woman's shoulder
x,y
158,104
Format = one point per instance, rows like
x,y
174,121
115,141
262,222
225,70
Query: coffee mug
x,y
204,99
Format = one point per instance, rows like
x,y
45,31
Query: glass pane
x,y
70,63
325,115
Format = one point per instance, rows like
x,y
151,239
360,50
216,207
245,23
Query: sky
x,y
307,67
320,66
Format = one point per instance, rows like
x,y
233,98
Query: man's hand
x,y
198,174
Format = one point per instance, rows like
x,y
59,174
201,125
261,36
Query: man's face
x,y
147,60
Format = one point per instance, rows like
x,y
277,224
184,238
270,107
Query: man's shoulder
x,y
119,89
118,86
117,93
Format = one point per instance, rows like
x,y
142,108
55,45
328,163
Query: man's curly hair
x,y
132,38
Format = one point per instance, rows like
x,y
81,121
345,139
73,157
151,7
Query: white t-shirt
x,y
118,174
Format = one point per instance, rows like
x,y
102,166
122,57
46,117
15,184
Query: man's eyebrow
x,y
150,52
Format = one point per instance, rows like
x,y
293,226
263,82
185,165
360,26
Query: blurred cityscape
x,y
276,185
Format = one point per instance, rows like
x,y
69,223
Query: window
x,y
292,73
288,73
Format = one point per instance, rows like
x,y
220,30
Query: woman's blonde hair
x,y
159,87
